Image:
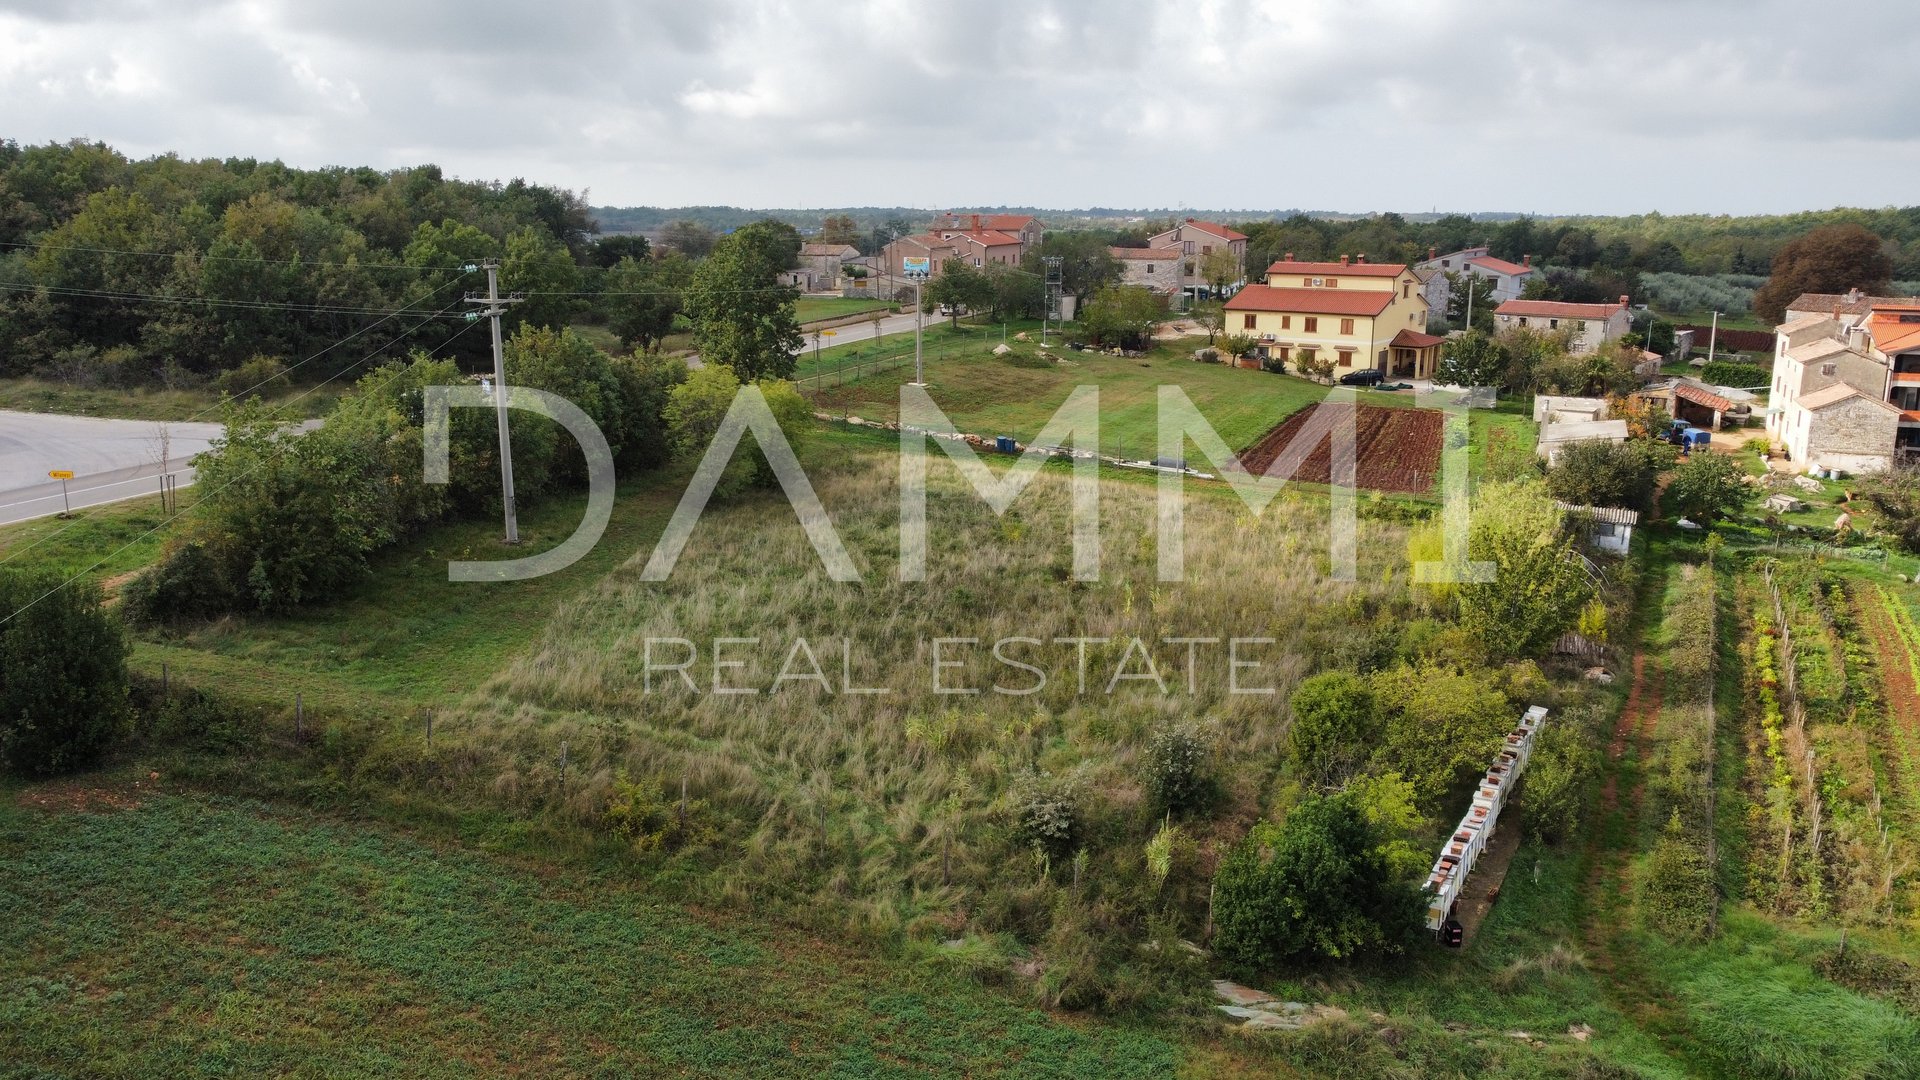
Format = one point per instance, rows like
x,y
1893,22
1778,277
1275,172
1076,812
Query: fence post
x,y
429,728
299,715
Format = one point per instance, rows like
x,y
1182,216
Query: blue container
x,y
1699,436
1004,444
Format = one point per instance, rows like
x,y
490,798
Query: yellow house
x,y
1360,314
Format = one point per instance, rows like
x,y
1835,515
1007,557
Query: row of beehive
x,y
1462,849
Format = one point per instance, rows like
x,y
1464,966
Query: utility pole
x,y
494,306
1052,282
1713,338
919,371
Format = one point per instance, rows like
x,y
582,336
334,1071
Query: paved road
x,y
853,334
110,459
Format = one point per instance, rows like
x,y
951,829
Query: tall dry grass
x,y
895,805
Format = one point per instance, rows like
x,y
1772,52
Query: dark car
x,y
1363,377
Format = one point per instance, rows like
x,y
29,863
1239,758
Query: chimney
x,y
1343,260
1853,296
1432,254
1362,257
976,223
1526,260
1289,256
1623,301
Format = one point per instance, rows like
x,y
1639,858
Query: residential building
x,y
1435,287
1557,436
1025,227
1152,268
1361,314
1606,528
1509,279
1845,392
1591,325
821,265
1196,240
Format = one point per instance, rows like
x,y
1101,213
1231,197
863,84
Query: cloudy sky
x,y
1532,105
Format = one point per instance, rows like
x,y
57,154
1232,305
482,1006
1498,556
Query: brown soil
x,y
81,797
1896,674
1396,449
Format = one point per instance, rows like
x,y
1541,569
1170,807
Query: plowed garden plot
x,y
1396,449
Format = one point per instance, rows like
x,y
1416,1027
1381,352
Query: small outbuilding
x,y
1605,528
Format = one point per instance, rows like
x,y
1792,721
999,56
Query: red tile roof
x,y
1158,254
1895,327
1335,269
1413,339
1216,229
1499,266
1845,303
1701,397
1557,309
984,237
1311,301
986,222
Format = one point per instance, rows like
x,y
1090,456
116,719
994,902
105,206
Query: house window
x,y
1553,324
1280,353
1346,357
1406,290
1829,369
1446,264
1313,325
1206,249
1306,282
1333,283
1286,322
1306,356
1149,268
1346,326
1523,320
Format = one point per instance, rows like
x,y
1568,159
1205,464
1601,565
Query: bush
x,y
1553,790
1740,376
1606,474
1046,814
1335,726
1175,766
1677,897
262,376
1318,886
643,815
63,675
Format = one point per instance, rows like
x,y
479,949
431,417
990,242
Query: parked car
x,y
1363,377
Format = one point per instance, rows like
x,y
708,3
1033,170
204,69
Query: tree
x,y
538,266
1830,259
1219,268
1124,315
742,317
1441,727
1016,293
1318,885
1553,789
609,250
839,229
1086,266
1706,487
639,302
1471,359
1538,584
1212,317
958,286
1459,287
689,238
1336,723
696,407
1606,474
1895,494
63,675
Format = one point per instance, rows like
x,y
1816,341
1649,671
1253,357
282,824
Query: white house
x,y
1158,269
1591,325
1508,278
1606,528
1845,392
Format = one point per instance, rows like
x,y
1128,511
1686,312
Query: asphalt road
x,y
110,459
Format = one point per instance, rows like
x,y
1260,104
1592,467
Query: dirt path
x,y
1903,697
1609,882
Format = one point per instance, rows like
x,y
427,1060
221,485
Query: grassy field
x,y
1016,395
815,308
40,395
149,934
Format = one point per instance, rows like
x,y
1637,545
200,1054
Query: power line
x,y
158,298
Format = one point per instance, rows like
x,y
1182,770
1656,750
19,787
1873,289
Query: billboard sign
x,y
916,265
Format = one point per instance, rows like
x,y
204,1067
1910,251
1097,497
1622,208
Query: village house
x,y
1359,314
1023,227
1591,325
821,266
1845,392
1509,279
1195,240
1157,269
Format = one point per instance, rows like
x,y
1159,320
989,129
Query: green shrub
x,y
261,376
643,815
1046,813
63,675
1553,789
1318,886
1336,724
1175,766
1677,894
1740,376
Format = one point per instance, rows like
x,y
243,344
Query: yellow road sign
x,y
61,474
828,333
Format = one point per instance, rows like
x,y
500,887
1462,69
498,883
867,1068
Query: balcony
x,y
1906,378
1910,416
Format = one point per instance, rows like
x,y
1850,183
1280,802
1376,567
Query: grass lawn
x,y
814,308
1016,395
187,935
146,403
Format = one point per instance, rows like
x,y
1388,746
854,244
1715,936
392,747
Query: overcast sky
x,y
1675,105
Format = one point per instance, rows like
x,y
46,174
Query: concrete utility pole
x,y
1713,337
495,306
919,370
